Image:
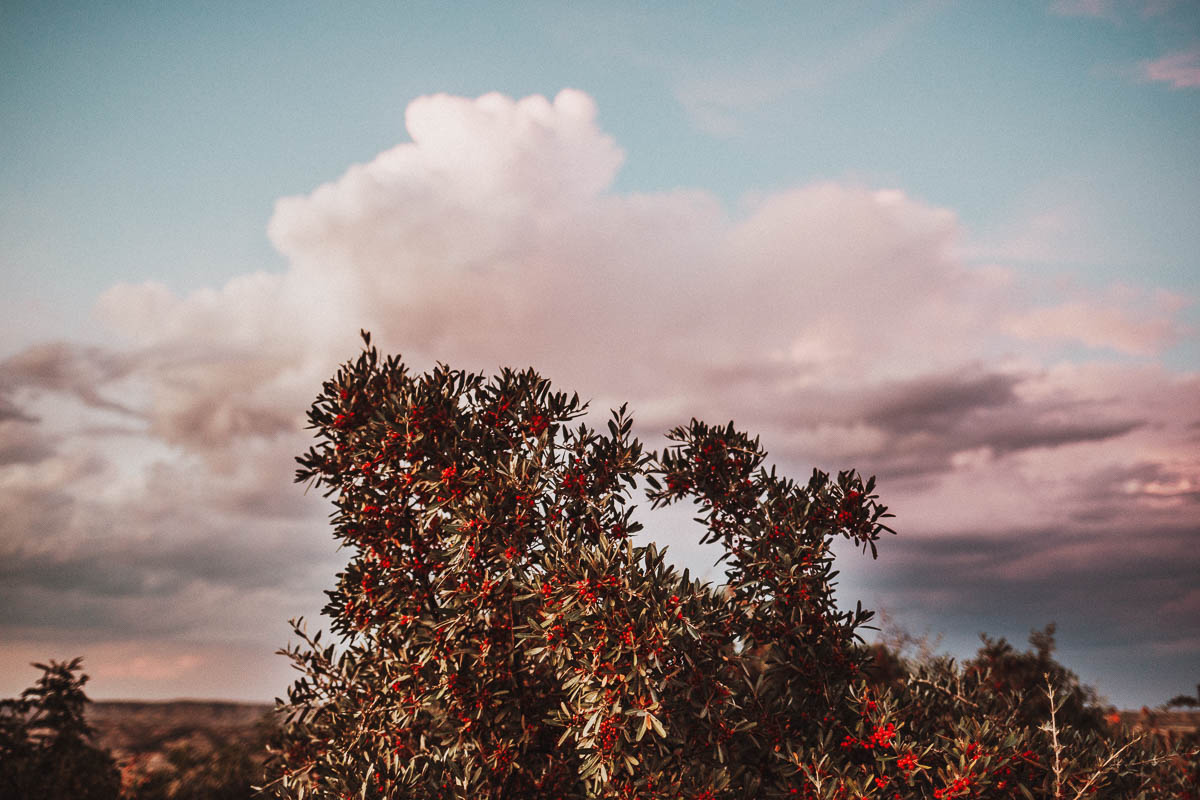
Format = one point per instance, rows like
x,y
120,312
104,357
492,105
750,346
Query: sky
x,y
950,244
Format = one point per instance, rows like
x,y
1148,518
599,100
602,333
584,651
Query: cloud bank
x,y
1033,446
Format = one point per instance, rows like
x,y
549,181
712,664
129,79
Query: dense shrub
x,y
500,635
46,745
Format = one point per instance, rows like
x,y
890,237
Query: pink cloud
x,y
840,321
1180,69
1115,322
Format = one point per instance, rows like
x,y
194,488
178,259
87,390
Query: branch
x,y
1052,727
956,695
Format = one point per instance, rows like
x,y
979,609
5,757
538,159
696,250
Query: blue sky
x,y
152,127
976,225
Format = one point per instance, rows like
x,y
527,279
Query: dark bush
x,y
46,746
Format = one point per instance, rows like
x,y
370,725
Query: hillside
x,y
192,742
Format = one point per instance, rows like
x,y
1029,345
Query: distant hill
x,y
140,727
164,742
1168,723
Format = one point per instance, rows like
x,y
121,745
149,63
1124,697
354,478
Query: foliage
x,y
1184,701
46,747
500,635
1006,682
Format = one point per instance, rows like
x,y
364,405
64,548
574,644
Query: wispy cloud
x,y
1116,322
718,94
1181,69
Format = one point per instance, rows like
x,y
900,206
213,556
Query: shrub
x,y
500,635
46,748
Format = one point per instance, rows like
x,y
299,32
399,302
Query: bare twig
x,y
1052,728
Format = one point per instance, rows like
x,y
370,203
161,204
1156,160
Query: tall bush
x,y
498,634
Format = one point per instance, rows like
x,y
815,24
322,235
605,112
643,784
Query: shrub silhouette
x,y
500,635
46,747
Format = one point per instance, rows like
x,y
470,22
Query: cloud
x,y
71,370
21,442
107,536
150,483
928,427
1116,592
717,96
1180,69
1120,325
538,156
1045,576
1051,230
10,413
940,402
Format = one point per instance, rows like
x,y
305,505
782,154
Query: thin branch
x,y
1052,727
1103,768
956,695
